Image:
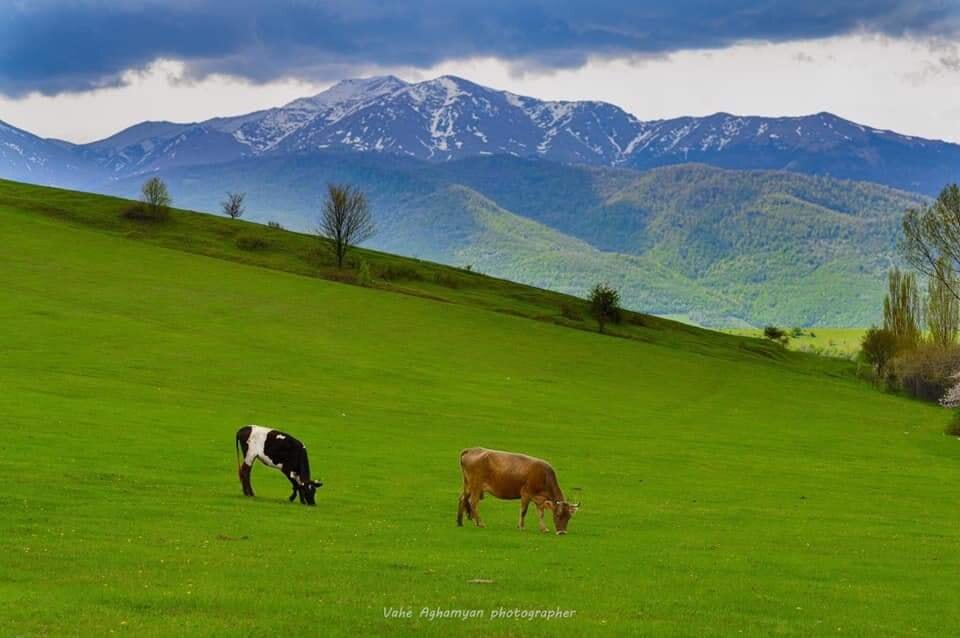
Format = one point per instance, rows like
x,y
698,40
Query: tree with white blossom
x,y
951,398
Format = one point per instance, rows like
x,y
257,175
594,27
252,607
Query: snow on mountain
x,y
152,146
26,157
449,118
264,133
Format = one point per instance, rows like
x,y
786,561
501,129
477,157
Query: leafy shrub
x,y
251,241
604,304
878,347
637,319
953,428
774,333
144,213
926,372
570,311
364,278
395,272
446,279
318,255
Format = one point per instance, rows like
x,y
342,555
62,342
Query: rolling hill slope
x,y
727,486
304,255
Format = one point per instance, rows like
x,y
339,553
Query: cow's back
x,y
502,473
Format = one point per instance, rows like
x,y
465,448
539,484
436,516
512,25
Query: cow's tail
x,y
464,504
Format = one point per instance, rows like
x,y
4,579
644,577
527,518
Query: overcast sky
x,y
83,69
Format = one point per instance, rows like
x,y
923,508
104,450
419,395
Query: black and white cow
x,y
280,450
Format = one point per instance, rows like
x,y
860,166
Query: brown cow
x,y
512,476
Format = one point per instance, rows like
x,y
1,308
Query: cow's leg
x,y
543,527
524,504
245,479
296,490
475,507
463,506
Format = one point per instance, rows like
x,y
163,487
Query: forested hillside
x,y
718,247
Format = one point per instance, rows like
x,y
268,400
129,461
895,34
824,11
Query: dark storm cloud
x,y
54,46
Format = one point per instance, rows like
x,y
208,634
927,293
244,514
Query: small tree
x,y
345,219
774,333
156,198
951,399
943,308
932,233
364,277
233,205
878,347
604,304
901,308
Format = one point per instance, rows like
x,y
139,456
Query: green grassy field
x,y
831,342
728,487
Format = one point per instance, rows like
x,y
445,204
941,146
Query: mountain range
x,y
724,220
450,118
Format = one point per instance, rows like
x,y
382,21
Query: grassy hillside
x,y
726,490
833,342
304,255
722,247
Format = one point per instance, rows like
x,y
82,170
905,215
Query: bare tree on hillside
x,y
233,205
156,197
345,219
931,233
943,308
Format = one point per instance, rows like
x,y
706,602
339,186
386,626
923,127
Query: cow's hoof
x,y
561,533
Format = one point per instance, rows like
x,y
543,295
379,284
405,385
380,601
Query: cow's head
x,y
308,491
562,513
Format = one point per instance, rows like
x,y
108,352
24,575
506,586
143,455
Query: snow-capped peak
x,y
349,91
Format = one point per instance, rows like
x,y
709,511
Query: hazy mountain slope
x,y
820,144
26,157
719,246
456,225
